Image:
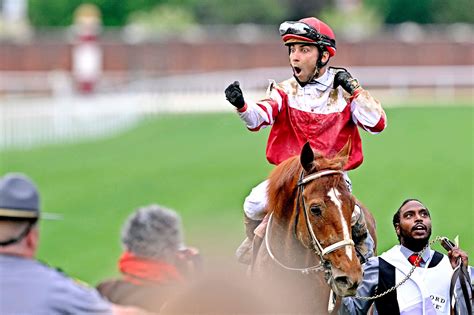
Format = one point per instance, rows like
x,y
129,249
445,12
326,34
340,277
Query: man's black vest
x,y
388,304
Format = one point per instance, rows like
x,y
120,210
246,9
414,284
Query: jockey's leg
x,y
244,252
254,211
364,243
250,226
256,202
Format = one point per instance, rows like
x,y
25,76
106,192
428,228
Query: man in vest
x,y
427,291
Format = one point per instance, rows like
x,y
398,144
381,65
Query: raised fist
x,y
346,81
234,95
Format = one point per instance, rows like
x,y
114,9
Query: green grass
x,y
204,166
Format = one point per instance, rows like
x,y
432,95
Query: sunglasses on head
x,y
299,28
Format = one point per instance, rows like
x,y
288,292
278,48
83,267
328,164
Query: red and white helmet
x,y
309,30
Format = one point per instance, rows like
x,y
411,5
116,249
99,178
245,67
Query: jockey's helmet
x,y
309,30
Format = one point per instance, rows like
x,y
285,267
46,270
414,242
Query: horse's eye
x,y
315,209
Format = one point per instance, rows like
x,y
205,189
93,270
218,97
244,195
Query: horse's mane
x,y
282,182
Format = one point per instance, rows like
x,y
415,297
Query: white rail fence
x,y
29,122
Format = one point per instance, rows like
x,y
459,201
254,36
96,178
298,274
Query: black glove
x,y
348,83
234,95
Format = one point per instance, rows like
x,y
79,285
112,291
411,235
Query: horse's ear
x,y
307,157
343,154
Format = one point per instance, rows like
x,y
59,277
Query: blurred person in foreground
x,y
154,264
28,286
319,104
427,291
223,289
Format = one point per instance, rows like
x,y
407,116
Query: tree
x,y
453,11
231,12
60,12
424,11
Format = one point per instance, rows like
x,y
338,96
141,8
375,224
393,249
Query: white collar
x,y
408,252
323,82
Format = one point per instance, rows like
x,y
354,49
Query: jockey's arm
x,y
262,113
367,112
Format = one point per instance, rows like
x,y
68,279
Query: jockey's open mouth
x,y
300,74
297,70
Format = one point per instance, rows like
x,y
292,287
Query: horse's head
x,y
324,223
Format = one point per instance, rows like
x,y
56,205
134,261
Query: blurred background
x,y
109,105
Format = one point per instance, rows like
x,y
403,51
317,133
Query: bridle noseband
x,y
316,245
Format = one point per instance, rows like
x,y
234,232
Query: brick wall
x,y
178,57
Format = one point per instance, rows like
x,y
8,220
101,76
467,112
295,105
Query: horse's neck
x,y
293,291
287,246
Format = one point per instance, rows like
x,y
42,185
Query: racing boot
x,y
244,251
364,243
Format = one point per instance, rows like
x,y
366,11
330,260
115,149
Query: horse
x,y
308,258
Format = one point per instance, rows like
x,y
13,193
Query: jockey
x,y
319,104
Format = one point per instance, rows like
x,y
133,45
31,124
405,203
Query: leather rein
x,y
315,244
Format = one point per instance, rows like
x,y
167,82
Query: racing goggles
x,y
299,28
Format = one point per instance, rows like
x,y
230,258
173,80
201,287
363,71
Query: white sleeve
x,y
367,112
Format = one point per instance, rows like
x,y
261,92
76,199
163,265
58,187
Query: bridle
x,y
315,244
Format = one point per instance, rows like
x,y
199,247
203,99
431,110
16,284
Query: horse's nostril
x,y
343,282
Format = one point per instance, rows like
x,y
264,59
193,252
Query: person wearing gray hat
x,y
19,202
26,285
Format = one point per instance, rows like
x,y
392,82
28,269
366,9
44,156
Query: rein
x,y
316,245
307,270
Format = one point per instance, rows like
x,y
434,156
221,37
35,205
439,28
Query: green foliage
x,y
424,11
141,5
164,18
406,10
359,23
61,13
204,166
453,11
51,12
116,13
231,12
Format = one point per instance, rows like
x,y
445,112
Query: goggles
x,y
299,28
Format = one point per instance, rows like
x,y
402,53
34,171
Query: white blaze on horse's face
x,y
334,195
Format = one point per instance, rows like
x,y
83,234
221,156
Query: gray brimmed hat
x,y
19,198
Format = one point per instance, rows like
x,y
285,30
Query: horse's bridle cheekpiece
x,y
316,245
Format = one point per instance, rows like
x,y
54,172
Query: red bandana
x,y
140,270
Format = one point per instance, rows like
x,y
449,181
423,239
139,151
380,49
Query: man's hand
x,y
455,254
189,261
234,95
346,81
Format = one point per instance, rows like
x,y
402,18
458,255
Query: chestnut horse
x,y
308,248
